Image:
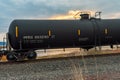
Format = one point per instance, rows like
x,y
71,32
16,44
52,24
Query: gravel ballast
x,y
74,68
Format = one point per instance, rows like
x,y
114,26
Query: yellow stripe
x,y
106,31
49,33
79,32
16,31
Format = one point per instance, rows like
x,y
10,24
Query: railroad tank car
x,y
43,34
25,36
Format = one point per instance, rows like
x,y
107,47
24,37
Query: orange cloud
x,y
70,15
116,15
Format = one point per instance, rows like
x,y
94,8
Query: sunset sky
x,y
53,9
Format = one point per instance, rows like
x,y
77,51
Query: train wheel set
x,y
18,55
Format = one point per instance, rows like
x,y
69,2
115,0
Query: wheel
x,y
11,57
31,55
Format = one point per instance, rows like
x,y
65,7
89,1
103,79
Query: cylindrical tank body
x,y
42,34
33,34
108,31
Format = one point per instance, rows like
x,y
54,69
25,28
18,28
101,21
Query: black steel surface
x,y
42,34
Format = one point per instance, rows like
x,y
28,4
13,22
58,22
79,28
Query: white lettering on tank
x,y
38,37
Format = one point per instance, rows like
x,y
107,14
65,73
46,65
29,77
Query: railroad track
x,y
57,53
55,57
93,67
